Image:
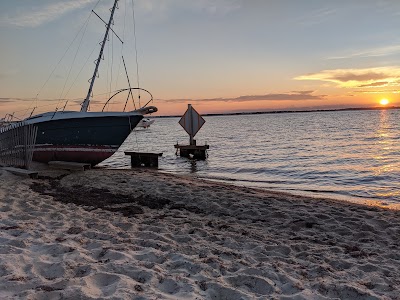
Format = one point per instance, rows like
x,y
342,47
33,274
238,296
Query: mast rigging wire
x,y
136,52
130,88
65,53
80,71
110,68
122,48
73,62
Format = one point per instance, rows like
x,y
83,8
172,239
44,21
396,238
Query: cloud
x,y
8,73
41,15
7,100
80,101
374,52
218,7
346,77
353,78
316,16
291,96
165,9
11,99
378,91
375,84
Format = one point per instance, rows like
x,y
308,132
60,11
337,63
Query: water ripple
x,y
351,153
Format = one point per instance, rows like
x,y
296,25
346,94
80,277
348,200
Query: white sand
x,y
211,241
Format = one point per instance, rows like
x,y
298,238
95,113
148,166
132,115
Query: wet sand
x,y
132,234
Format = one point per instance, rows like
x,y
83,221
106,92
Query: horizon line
x,y
287,111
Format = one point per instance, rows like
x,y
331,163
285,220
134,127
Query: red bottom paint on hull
x,y
89,154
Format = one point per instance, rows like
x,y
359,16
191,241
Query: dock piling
x,y
192,121
143,159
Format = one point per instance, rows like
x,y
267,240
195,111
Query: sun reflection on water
x,y
383,139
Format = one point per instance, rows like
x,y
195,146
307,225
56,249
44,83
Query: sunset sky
x,y
218,55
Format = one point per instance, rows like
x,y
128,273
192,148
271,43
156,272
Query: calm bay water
x,y
352,155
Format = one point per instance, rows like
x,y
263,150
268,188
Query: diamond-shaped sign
x,y
191,121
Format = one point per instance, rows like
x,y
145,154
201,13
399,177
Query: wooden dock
x,y
143,159
192,151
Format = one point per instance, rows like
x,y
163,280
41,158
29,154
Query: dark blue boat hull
x,y
87,140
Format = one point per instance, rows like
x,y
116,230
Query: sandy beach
x,y
140,234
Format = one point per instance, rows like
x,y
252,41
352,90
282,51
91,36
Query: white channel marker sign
x,y
191,121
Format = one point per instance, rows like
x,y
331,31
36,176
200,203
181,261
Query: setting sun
x,y
384,102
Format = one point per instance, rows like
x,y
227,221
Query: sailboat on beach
x,y
82,136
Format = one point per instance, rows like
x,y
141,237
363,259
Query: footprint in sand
x,y
178,266
5,208
49,271
83,271
216,291
368,268
113,255
151,257
4,271
136,274
8,250
101,285
18,243
344,291
124,226
55,249
96,235
169,286
253,284
150,235
277,250
340,264
172,287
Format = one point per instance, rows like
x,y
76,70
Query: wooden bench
x,y
143,159
70,166
21,172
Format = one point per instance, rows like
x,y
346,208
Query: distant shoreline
x,y
288,111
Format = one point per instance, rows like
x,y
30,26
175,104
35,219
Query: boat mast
x,y
85,104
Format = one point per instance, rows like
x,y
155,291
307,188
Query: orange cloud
x,y
375,84
354,78
290,96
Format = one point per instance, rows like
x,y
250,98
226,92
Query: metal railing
x,y
17,144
